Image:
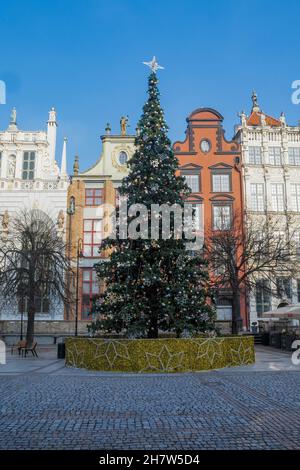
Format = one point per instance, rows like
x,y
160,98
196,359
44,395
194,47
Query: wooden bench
x,y
31,348
21,344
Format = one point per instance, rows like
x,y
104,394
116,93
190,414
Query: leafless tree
x,y
264,247
33,263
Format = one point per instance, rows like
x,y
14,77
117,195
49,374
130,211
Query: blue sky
x,y
85,58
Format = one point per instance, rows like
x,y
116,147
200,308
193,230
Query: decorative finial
x,y
153,64
255,106
123,124
63,167
52,115
263,121
108,128
76,166
282,119
243,118
13,117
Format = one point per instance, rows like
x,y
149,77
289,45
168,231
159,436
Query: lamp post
x,y
79,255
22,304
70,212
22,313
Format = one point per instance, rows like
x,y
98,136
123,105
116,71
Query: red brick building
x,y
211,166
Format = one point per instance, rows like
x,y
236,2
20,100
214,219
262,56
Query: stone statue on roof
x,y
255,105
123,124
13,116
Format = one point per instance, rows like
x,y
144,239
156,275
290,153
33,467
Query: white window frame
x,y
275,156
277,197
255,155
257,197
222,216
294,156
221,183
193,182
295,196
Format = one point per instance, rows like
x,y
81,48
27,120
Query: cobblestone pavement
x,y
47,406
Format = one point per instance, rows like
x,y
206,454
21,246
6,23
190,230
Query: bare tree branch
x,y
262,248
33,262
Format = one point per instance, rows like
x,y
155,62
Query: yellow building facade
x,y
91,195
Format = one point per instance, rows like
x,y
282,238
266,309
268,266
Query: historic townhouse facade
x,y
271,180
30,178
92,195
211,166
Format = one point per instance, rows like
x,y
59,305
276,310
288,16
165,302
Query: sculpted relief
x,y
11,167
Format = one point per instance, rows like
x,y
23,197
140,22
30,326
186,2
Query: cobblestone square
x,y
45,405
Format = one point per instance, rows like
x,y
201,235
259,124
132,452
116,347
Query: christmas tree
x,y
153,284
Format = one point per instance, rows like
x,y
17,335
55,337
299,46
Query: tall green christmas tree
x,y
151,284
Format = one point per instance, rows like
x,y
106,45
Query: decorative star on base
x,y
153,64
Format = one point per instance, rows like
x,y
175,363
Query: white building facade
x,y
30,178
271,180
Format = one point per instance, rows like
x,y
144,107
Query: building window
x,y
28,165
90,290
219,262
263,296
255,155
277,197
284,287
295,193
221,217
275,156
296,244
257,197
0,163
41,303
123,158
92,237
193,182
224,309
205,145
294,156
221,182
197,217
298,290
93,197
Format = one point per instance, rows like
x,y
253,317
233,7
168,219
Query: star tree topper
x,y
153,64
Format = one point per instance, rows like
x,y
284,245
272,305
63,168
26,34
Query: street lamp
x,y
22,305
79,255
70,212
22,315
